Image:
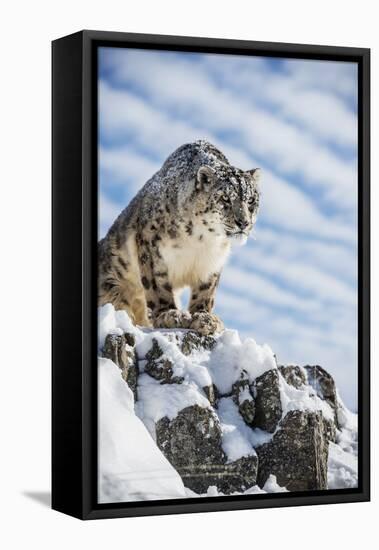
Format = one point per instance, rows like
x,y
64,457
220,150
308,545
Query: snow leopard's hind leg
x,y
119,284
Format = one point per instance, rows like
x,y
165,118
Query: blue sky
x,y
294,284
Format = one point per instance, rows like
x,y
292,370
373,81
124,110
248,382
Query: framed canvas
x,y
210,275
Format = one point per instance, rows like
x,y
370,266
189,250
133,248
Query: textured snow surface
x,y
131,467
303,399
156,401
231,356
343,456
238,439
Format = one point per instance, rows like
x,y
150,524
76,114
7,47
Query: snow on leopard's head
x,y
231,199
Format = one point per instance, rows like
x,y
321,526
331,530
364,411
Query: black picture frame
x,y
74,318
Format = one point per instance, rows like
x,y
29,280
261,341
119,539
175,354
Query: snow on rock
x,y
214,415
156,400
114,322
303,399
238,439
271,486
231,357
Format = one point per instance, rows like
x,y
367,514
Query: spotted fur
x,y
177,232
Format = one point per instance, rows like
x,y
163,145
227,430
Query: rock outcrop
x,y
121,350
192,442
266,391
224,414
297,454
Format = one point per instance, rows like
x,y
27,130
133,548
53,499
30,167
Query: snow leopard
x,y
177,232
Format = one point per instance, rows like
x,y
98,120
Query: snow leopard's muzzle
x,y
239,227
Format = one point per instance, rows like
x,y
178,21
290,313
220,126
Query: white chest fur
x,y
193,258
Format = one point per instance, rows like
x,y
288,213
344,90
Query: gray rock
x,y
268,406
212,394
243,398
323,384
241,475
116,350
330,430
120,349
298,453
160,367
193,341
293,375
192,437
192,443
231,477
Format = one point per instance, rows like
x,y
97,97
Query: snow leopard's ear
x,y
255,174
204,178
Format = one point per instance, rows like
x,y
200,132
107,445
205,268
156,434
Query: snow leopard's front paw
x,y
206,323
173,318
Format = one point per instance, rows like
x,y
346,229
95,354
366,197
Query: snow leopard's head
x,y
232,198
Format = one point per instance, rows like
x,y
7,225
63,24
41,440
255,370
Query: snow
x,y
236,435
189,369
347,437
156,400
238,439
343,455
271,486
130,464
231,357
114,322
303,399
342,468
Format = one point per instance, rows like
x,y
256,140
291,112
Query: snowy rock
x,y
297,454
192,341
244,399
212,416
238,476
192,442
323,384
293,375
268,407
212,394
191,439
120,350
159,367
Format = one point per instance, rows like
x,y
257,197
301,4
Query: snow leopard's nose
x,y
242,224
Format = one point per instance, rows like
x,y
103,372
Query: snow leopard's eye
x,y
225,199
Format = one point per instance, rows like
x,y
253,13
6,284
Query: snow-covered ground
x,y
131,466
343,456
